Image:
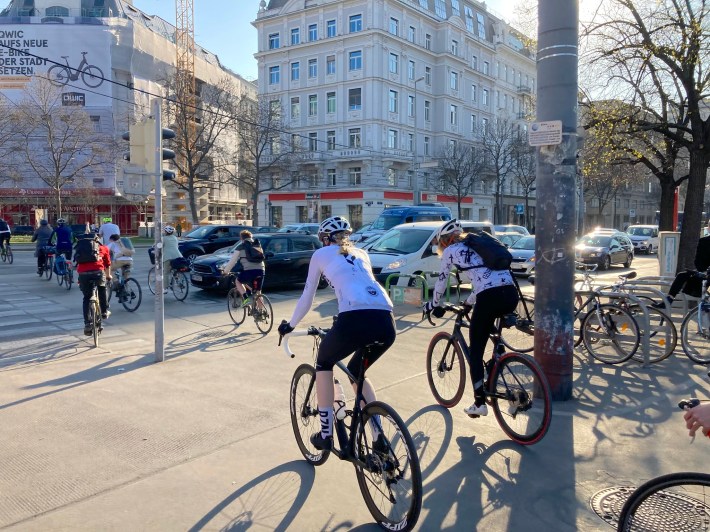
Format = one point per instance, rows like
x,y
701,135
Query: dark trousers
x,y
490,304
41,257
87,281
687,282
4,237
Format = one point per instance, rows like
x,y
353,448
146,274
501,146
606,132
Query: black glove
x,y
438,312
285,328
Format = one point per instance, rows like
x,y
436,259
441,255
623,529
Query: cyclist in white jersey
x,y
364,317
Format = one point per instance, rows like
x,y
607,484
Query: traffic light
x,y
143,150
168,175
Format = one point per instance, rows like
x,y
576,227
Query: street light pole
x,y
416,196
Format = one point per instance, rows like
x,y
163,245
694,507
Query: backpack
x,y
253,251
494,254
87,250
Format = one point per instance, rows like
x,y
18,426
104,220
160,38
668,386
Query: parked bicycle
x,y
127,289
179,282
695,328
256,305
48,267
388,473
64,270
6,253
515,385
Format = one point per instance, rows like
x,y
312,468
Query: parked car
x,y
644,238
264,229
605,249
207,239
287,258
393,216
311,229
356,236
523,252
23,230
509,238
509,228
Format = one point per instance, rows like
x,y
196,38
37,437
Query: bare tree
x,y
524,169
653,55
59,144
9,174
497,143
462,167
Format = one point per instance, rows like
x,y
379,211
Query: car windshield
x,y
385,222
402,241
527,242
292,228
640,231
596,241
200,232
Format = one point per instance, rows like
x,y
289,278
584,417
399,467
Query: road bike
x,y
64,271
6,253
256,305
677,501
387,467
95,315
179,283
695,328
128,290
515,386
91,75
48,267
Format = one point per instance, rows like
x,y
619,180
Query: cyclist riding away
x,y
493,295
93,262
5,233
170,252
253,271
364,317
64,239
120,256
107,229
42,235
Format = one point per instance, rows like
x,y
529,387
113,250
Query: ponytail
x,y
342,240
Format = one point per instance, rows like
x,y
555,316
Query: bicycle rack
x,y
666,282
417,277
645,338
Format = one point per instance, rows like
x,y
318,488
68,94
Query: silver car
x,y
523,251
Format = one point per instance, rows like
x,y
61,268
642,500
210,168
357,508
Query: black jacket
x,y
702,254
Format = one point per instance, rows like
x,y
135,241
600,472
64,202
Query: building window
x,y
313,32
331,28
354,137
427,110
393,102
455,47
274,75
330,65
427,41
440,8
412,35
473,123
355,176
486,67
392,177
313,68
312,104
331,177
330,139
393,139
295,107
394,63
313,141
274,41
481,26
484,126
355,60
394,26
355,215
295,71
355,99
330,99
427,75
410,141
484,97
295,141
295,35
411,70
410,106
473,93
314,180
355,23
469,18
474,62
454,81
426,145
453,112
455,9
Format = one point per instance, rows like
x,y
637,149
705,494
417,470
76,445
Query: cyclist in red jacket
x,y
95,274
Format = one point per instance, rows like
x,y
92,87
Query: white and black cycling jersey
x,y
470,262
350,276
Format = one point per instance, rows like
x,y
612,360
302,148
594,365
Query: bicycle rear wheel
x,y
445,369
95,320
180,285
388,470
695,334
151,280
131,295
67,280
666,502
520,398
10,256
3,255
234,305
60,279
264,318
611,334
663,335
304,413
521,336
48,267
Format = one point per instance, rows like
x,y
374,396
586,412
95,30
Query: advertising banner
x,y
75,58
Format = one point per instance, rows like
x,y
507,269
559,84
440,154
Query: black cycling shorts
x,y
351,332
252,279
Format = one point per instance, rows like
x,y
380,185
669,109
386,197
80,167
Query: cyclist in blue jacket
x,y
63,238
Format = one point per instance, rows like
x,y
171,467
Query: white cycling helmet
x,y
169,229
449,228
332,225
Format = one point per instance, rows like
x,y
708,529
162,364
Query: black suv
x,y
287,258
208,239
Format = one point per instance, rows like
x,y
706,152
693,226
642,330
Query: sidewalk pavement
x,y
105,439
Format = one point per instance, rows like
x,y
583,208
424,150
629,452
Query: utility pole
x,y
555,219
158,231
416,196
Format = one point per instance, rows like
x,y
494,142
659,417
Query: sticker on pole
x,y
545,133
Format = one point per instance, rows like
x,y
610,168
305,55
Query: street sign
x,y
632,213
545,133
519,208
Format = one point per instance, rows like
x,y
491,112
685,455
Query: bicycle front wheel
x,y
695,334
131,295
67,280
520,398
10,256
662,334
610,334
521,336
264,317
151,280
3,255
234,305
49,267
388,470
304,413
180,285
445,370
665,502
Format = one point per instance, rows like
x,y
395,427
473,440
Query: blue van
x,y
393,216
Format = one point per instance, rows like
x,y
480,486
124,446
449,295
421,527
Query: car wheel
x,y
629,258
191,256
606,263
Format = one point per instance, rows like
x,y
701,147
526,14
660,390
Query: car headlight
x,y
645,243
396,264
593,254
532,259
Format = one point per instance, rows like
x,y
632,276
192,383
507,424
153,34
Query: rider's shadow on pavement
x,y
215,339
270,501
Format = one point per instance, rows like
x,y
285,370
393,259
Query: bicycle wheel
x,y
304,413
521,398
10,256
95,320
678,501
662,335
388,472
60,279
610,334
48,267
234,305
264,319
58,75
67,280
180,285
131,295
695,334
151,280
92,76
3,255
521,336
445,369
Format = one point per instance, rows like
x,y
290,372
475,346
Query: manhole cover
x,y
663,511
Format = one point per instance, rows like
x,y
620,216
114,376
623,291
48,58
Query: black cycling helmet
x,y
43,222
61,221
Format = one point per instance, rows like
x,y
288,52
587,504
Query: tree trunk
x,y
193,201
59,202
690,233
668,187
256,219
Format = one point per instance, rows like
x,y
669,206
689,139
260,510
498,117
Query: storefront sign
x,y
74,98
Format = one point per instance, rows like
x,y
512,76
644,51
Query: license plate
x,y
196,277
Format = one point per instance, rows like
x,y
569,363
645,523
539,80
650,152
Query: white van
x,y
410,249
644,238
